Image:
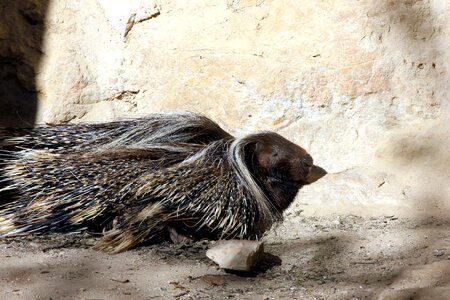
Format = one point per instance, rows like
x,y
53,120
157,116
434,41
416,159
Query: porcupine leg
x,y
127,236
146,225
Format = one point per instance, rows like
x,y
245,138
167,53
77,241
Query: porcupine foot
x,y
178,238
110,226
175,237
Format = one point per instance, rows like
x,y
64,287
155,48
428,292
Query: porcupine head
x,y
282,168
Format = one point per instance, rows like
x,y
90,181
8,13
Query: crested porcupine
x,y
177,176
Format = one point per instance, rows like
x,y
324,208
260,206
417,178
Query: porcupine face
x,y
282,168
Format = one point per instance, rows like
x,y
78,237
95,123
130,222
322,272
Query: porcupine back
x,y
133,133
66,177
156,130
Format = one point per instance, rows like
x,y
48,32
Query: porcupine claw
x,y
178,238
110,226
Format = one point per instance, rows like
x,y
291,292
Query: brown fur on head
x,y
280,167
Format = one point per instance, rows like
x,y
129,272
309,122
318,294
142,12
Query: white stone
x,y
239,255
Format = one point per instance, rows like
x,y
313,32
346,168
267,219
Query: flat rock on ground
x,y
239,255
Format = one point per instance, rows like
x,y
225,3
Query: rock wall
x,y
362,85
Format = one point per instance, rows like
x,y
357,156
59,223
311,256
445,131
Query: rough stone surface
x,y
239,255
362,85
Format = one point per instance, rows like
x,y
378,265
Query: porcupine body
x,y
156,175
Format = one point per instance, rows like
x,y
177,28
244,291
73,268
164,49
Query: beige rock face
x,y
362,85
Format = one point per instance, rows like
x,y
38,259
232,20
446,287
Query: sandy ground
x,y
331,257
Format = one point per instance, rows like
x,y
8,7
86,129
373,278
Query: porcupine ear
x,y
250,157
259,155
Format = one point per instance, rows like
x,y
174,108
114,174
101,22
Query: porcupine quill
x,y
165,176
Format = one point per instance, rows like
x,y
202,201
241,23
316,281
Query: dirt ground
x,y
331,257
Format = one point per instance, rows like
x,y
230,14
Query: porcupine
x,y
165,176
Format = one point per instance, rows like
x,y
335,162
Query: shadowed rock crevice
x,y
21,39
21,43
